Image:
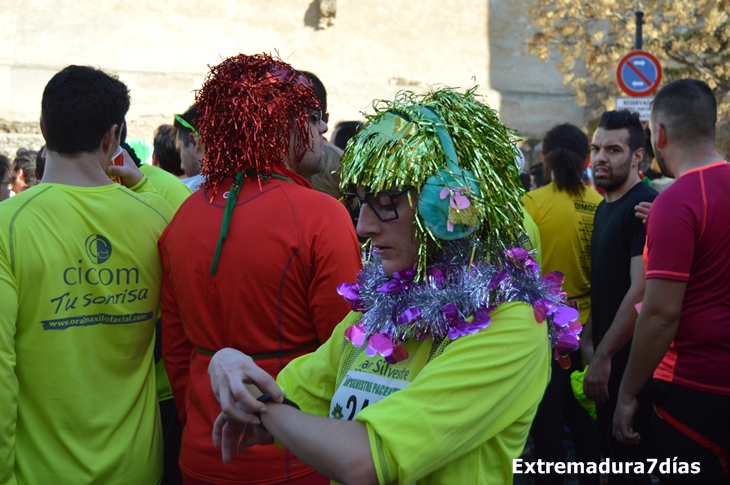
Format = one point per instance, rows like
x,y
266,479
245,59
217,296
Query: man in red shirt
x,y
253,259
682,334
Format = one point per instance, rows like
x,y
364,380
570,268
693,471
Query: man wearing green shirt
x,y
79,286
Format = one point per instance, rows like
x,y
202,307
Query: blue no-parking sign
x,y
639,73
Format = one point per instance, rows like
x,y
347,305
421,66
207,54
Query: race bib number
x,y
359,390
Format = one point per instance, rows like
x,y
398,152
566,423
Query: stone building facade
x,y
362,50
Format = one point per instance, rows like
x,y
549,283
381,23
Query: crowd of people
x,y
252,304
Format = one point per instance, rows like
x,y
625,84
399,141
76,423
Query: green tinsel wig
x,y
461,158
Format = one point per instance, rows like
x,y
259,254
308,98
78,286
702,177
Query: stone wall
x,y
366,50
533,97
15,135
11,142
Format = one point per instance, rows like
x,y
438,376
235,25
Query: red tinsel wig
x,y
248,109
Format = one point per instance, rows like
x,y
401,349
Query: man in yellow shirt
x,y
79,285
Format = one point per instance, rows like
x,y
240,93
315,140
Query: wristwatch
x,y
264,398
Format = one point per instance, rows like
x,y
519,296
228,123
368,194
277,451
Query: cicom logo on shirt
x,y
98,248
97,293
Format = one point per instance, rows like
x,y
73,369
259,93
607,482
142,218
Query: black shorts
x,y
693,427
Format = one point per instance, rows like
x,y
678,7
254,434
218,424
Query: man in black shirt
x,y
617,279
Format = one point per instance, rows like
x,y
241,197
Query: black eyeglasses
x,y
382,203
315,117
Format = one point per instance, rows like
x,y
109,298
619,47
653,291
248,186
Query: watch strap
x,y
266,397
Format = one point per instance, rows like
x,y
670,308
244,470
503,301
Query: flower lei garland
x,y
454,300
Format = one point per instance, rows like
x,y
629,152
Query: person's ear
x,y
109,140
661,136
198,146
43,128
638,156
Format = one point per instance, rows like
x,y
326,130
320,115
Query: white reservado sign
x,y
638,105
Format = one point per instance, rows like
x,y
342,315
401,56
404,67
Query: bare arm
x,y
620,332
336,448
655,329
231,374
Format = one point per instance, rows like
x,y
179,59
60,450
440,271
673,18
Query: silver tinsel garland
x,y
469,286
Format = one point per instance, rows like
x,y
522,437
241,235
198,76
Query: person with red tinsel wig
x,y
253,259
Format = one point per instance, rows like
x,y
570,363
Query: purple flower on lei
x,y
519,257
497,279
565,321
436,277
554,282
381,344
564,317
351,293
542,308
568,339
458,326
356,334
409,315
516,254
401,280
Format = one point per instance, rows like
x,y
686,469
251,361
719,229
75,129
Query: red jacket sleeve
x,y
176,348
335,258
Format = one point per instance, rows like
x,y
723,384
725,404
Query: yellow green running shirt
x,y
453,413
79,290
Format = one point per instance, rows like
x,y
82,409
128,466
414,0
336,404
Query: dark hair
x,y
618,120
525,179
344,130
123,143
537,175
183,132
164,145
688,110
25,160
4,165
564,150
319,91
79,105
40,163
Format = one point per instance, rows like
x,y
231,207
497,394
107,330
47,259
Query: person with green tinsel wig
x,y
436,374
